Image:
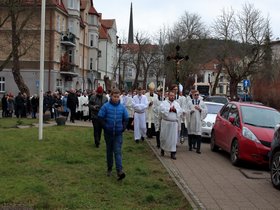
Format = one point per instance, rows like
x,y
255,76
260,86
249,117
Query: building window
x,y
129,73
91,41
63,25
91,63
221,87
71,4
59,84
2,84
70,56
71,26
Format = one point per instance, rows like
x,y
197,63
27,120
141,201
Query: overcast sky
x,y
151,15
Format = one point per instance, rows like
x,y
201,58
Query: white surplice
x,y
150,109
84,105
169,125
139,104
195,117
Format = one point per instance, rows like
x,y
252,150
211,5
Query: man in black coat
x,y
72,104
95,103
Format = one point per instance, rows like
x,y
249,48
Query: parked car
x,y
245,131
208,122
274,158
217,99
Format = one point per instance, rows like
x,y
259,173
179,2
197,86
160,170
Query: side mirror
x,y
231,119
276,127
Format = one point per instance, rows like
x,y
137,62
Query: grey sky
x,y
151,15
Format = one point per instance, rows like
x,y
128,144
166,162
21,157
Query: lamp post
x,y
178,59
120,47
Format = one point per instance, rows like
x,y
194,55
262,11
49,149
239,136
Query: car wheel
x,y
275,170
234,153
213,146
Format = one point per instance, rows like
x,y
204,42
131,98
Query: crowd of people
x,y
171,116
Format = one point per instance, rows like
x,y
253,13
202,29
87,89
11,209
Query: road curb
x,y
177,178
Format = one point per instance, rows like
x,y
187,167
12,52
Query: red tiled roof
x,y
92,11
103,33
108,23
135,47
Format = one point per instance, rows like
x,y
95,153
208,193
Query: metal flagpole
x,y
163,89
42,61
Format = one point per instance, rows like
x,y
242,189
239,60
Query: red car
x,y
245,131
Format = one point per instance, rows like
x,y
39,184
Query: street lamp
x,y
120,47
178,59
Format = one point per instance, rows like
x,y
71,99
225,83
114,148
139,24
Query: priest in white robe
x,y
152,98
170,111
139,104
196,112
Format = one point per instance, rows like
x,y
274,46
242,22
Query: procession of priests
x,y
169,116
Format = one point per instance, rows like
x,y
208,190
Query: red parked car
x,y
245,131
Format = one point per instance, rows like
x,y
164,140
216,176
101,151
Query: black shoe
x,y
137,141
97,145
190,149
198,152
158,146
162,152
194,147
173,156
109,172
121,175
142,138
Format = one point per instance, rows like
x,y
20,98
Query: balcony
x,y
66,67
68,39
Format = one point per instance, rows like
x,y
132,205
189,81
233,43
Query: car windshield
x,y
221,100
214,108
260,117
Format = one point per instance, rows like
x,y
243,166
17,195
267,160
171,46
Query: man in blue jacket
x,y
114,117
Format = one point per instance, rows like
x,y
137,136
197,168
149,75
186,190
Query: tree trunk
x,y
15,55
233,89
213,92
135,83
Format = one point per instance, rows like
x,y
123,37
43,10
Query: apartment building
x,y
72,44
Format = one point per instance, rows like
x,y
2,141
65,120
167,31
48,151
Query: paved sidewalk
x,y
209,181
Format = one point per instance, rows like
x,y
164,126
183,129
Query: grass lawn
x,y
66,171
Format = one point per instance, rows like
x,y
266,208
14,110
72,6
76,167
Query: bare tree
x,y
243,35
188,27
18,14
161,38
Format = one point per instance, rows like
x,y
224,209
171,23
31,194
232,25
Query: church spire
x,y
130,32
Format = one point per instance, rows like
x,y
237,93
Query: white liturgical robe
x,y
195,117
169,125
140,104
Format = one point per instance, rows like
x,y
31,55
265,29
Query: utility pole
x,y
119,48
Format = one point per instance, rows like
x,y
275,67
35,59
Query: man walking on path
x,y
152,98
72,104
95,103
170,111
196,112
114,117
140,104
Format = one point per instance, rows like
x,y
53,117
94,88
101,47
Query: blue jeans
x,y
114,146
